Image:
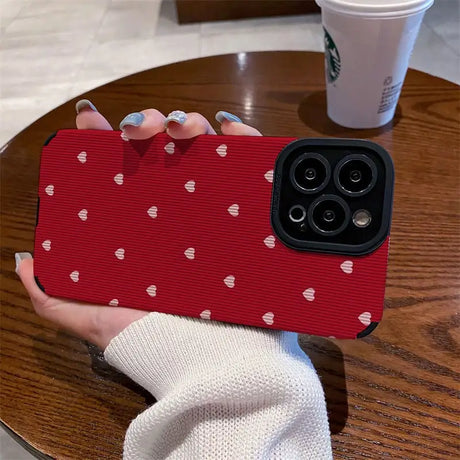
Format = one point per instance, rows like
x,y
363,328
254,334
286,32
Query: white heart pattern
x,y
190,253
152,290
83,214
234,210
269,175
222,150
268,318
153,212
46,245
119,179
309,294
120,253
82,157
365,318
230,281
347,267
205,314
113,303
190,186
75,276
270,241
170,148
50,190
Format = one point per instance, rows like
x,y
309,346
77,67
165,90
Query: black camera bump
x,y
332,195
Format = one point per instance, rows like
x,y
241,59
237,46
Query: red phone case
x,y
183,227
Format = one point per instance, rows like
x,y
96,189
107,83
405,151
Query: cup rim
x,y
378,9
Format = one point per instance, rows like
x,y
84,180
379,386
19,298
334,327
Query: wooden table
x,y
390,395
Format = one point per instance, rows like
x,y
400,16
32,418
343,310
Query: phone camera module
x,y
329,215
310,173
355,175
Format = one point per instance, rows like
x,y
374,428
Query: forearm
x,y
223,391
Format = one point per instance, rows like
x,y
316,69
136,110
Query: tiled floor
x,y
52,50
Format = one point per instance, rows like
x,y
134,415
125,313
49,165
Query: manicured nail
x,y
177,116
133,119
221,116
19,257
83,103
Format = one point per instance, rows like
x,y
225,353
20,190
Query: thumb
x,y
25,270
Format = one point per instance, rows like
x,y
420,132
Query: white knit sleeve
x,y
223,392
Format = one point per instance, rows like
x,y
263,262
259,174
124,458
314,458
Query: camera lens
x,y
297,213
355,175
328,215
310,173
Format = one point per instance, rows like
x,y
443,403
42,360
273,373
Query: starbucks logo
x,y
332,58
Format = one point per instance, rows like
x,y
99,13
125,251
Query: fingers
x,y
89,118
181,125
231,125
147,123
143,124
238,129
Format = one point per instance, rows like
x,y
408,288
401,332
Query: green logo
x,y
332,58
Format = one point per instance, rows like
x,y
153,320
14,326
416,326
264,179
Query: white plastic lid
x,y
376,8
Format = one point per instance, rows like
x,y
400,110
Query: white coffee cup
x,y
368,44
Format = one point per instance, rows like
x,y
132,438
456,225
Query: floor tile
x,y
11,450
30,62
129,20
118,58
431,55
444,18
252,25
282,38
44,17
9,10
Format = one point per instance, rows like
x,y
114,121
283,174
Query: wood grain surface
x,y
393,394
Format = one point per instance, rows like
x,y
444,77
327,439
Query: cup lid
x,y
376,8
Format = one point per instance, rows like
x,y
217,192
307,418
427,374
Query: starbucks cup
x,y
368,44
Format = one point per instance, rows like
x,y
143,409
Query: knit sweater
x,y
223,391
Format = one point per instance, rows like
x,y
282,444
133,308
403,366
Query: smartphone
x,y
275,232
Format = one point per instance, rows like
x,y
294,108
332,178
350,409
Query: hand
x,y
95,323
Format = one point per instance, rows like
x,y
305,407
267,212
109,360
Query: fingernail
x,y
133,119
83,103
19,257
221,116
177,116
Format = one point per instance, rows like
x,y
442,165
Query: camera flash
x,y
362,218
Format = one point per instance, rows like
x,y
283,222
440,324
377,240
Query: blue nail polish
x,y
133,119
83,103
177,116
19,257
221,116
